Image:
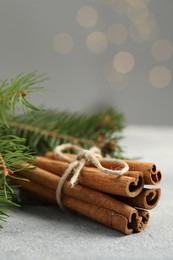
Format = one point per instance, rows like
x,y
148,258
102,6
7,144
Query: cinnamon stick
x,y
102,215
151,174
147,199
51,181
129,184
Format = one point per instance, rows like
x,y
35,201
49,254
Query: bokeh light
x,y
162,49
111,74
120,6
63,43
117,34
87,16
138,3
140,32
160,76
115,78
137,15
97,42
145,30
124,62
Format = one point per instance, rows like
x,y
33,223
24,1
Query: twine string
x,y
83,157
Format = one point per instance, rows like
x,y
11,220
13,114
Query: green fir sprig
x,y
51,128
20,134
14,94
13,153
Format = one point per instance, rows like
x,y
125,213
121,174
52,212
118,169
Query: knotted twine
x,y
83,157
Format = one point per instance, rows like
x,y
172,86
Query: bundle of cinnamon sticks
x,y
120,202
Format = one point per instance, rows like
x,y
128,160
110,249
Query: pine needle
x,y
14,94
13,151
51,128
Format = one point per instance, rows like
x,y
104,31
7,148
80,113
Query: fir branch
x,y
48,129
14,92
52,128
51,133
13,151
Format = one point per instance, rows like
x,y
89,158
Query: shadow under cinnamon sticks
x,y
96,205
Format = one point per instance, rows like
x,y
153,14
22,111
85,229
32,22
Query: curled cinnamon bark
x,y
147,199
129,184
109,218
51,181
153,178
105,216
151,174
140,223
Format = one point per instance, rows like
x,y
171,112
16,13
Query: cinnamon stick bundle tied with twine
x,y
151,174
50,182
88,202
129,184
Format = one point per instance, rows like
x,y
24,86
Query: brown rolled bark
x,y
109,218
129,184
119,210
147,199
51,181
142,220
97,213
151,174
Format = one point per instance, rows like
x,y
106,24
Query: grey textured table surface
x,y
43,232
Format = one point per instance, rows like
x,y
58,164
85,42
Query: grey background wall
x,y
97,53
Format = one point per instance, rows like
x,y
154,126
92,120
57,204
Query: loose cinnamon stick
x,y
102,215
151,174
147,199
129,184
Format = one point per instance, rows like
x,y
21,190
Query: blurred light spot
x,y
138,3
124,62
63,43
140,32
111,74
114,77
144,30
87,16
106,2
160,77
97,42
155,30
120,6
117,34
138,15
162,50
